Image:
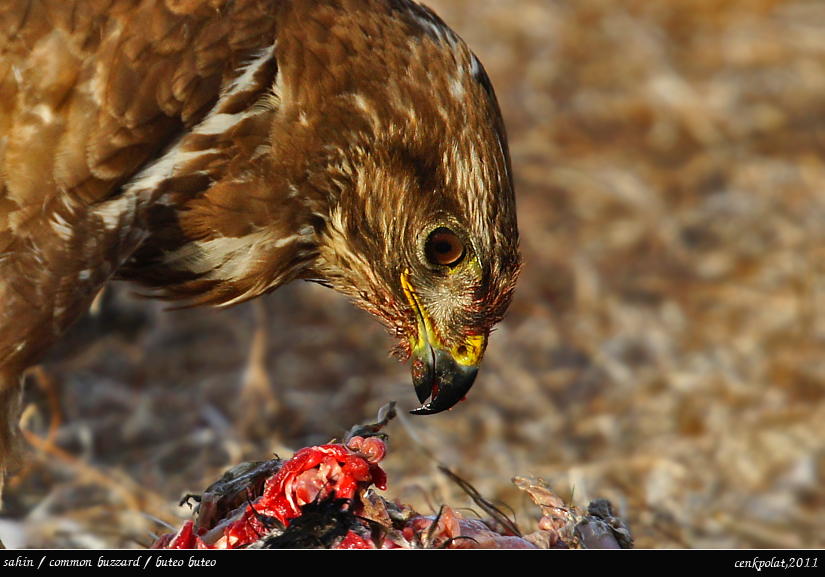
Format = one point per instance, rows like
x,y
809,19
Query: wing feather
x,y
91,92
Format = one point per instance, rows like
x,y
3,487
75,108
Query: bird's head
x,y
420,227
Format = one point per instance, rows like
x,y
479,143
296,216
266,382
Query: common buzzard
x,y
214,150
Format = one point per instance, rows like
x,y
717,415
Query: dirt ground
x,y
665,348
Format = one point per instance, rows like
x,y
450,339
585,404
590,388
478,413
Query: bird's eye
x,y
444,247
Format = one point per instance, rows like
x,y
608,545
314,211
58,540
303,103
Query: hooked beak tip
x,y
437,376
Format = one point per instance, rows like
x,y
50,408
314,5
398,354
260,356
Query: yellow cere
x,y
469,353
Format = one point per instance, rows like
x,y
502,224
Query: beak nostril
x,y
462,350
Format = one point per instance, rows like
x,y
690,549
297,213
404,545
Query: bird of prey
x,y
214,150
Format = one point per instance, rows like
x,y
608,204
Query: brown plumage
x,y
213,150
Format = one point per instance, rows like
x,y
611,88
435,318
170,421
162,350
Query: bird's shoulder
x,y
91,91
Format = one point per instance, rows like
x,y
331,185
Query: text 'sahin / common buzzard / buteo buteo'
x,y
213,150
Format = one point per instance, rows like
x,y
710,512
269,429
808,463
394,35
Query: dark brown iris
x,y
444,247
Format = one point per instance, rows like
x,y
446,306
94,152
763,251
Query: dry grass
x,y
665,350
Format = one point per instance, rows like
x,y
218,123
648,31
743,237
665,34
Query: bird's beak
x,y
442,374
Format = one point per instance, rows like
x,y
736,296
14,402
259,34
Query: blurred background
x,y
665,348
